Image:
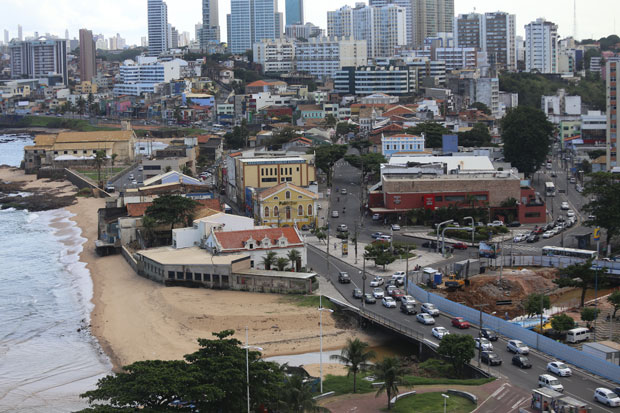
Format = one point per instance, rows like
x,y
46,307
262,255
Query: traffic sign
x,y
597,234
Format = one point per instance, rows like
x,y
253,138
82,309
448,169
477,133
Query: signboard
x,y
597,234
345,248
429,201
504,302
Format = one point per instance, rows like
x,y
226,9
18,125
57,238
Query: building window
x,y
288,212
266,211
198,276
189,276
276,211
300,211
207,277
179,275
287,195
171,275
532,214
455,198
309,210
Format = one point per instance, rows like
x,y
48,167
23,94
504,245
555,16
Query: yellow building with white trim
x,y
286,205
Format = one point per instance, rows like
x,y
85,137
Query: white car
x,y
430,309
395,227
342,228
440,332
495,224
559,368
407,299
570,213
519,238
376,217
335,214
398,274
565,206
483,343
384,238
389,302
378,293
548,234
606,396
517,347
425,318
377,281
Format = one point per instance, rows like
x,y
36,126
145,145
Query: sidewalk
x,y
424,234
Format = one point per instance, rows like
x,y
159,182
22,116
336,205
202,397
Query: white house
x,y
202,228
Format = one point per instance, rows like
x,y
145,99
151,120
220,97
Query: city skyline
x,y
103,17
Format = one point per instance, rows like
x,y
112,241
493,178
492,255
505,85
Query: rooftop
x,y
189,256
464,163
235,240
278,274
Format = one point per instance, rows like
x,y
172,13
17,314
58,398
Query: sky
x,y
595,18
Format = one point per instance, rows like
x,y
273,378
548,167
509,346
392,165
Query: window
x,y
532,214
455,198
189,276
300,211
207,277
198,276
179,275
309,210
287,195
438,198
288,212
276,211
171,275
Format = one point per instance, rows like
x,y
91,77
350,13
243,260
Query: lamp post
x,y
480,306
445,402
473,229
438,227
247,348
321,309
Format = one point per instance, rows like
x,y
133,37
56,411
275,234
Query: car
x,y
519,238
378,293
344,278
550,382
488,334
377,281
579,188
460,322
425,318
343,191
140,168
399,280
570,213
429,308
385,238
459,246
397,294
430,244
514,224
483,344
532,238
134,182
564,206
606,396
539,230
408,309
521,361
389,289
370,299
305,227
554,174
572,180
342,228
357,293
439,332
517,347
395,227
407,299
131,176
388,302
548,234
376,235
490,358
376,217
559,368
495,224
398,274
335,214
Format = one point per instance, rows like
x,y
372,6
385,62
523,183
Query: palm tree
x,y
356,356
148,225
295,258
389,371
281,263
269,260
99,160
113,158
298,397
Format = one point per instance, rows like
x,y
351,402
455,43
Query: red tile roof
x,y
235,240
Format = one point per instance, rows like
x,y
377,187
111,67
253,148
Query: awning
x,y
387,210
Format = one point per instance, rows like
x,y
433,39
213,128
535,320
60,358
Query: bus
x,y
549,189
568,252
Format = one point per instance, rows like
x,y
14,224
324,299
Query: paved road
x,y
579,386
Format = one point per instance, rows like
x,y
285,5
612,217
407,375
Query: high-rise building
x,y
6,37
405,4
210,32
158,27
430,17
493,33
67,34
303,31
174,37
20,35
252,21
541,46
143,42
294,12
88,57
38,58
612,71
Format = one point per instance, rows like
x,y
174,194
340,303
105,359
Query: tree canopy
x,y
371,162
478,136
380,253
603,190
433,133
172,210
582,275
532,303
389,371
562,322
589,314
614,299
238,137
526,133
356,356
459,349
326,156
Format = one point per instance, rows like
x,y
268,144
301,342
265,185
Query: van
x,y
550,382
577,334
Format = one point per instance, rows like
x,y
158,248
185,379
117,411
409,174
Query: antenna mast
x,y
575,20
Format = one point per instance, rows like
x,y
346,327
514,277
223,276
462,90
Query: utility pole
x,y
480,307
329,195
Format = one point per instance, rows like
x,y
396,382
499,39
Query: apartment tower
x,y
294,12
612,71
252,21
88,56
210,33
541,46
158,27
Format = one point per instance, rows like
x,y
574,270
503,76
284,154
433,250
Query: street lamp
x,y
321,309
438,227
473,229
247,348
445,402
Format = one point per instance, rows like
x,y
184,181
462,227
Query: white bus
x,y
568,252
549,188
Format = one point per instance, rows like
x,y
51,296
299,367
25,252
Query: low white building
x,y
197,234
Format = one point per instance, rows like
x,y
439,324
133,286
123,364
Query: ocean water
x,y
47,354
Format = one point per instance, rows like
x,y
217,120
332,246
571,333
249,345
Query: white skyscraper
x,y
20,35
405,4
541,46
210,23
6,37
158,27
251,21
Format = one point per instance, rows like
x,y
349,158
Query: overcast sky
x,y
595,18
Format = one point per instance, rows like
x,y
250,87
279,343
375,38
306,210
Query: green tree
x,y
389,371
172,210
297,397
433,133
459,349
614,299
281,263
237,139
269,260
177,115
344,128
583,276
526,133
481,107
148,226
478,136
326,156
532,303
186,170
295,258
330,120
361,145
100,158
603,191
356,357
589,314
81,105
371,162
91,100
562,322
380,253
113,158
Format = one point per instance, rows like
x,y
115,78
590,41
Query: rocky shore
x,y
20,191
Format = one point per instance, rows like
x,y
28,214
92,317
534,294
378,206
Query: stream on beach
x,y
47,354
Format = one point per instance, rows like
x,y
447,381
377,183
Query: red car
x,y
459,322
398,294
459,246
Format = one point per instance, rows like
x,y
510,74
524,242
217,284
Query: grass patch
x,y
307,301
80,125
344,384
422,381
432,402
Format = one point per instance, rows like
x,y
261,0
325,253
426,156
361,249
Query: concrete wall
x,y
83,182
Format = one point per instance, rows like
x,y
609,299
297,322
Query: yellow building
x,y
287,204
85,87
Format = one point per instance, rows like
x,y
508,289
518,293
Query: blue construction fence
x,y
544,344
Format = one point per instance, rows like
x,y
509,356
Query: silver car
x,y
429,308
425,318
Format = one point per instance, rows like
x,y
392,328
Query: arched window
x,y
300,211
288,195
288,212
276,212
309,210
266,211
